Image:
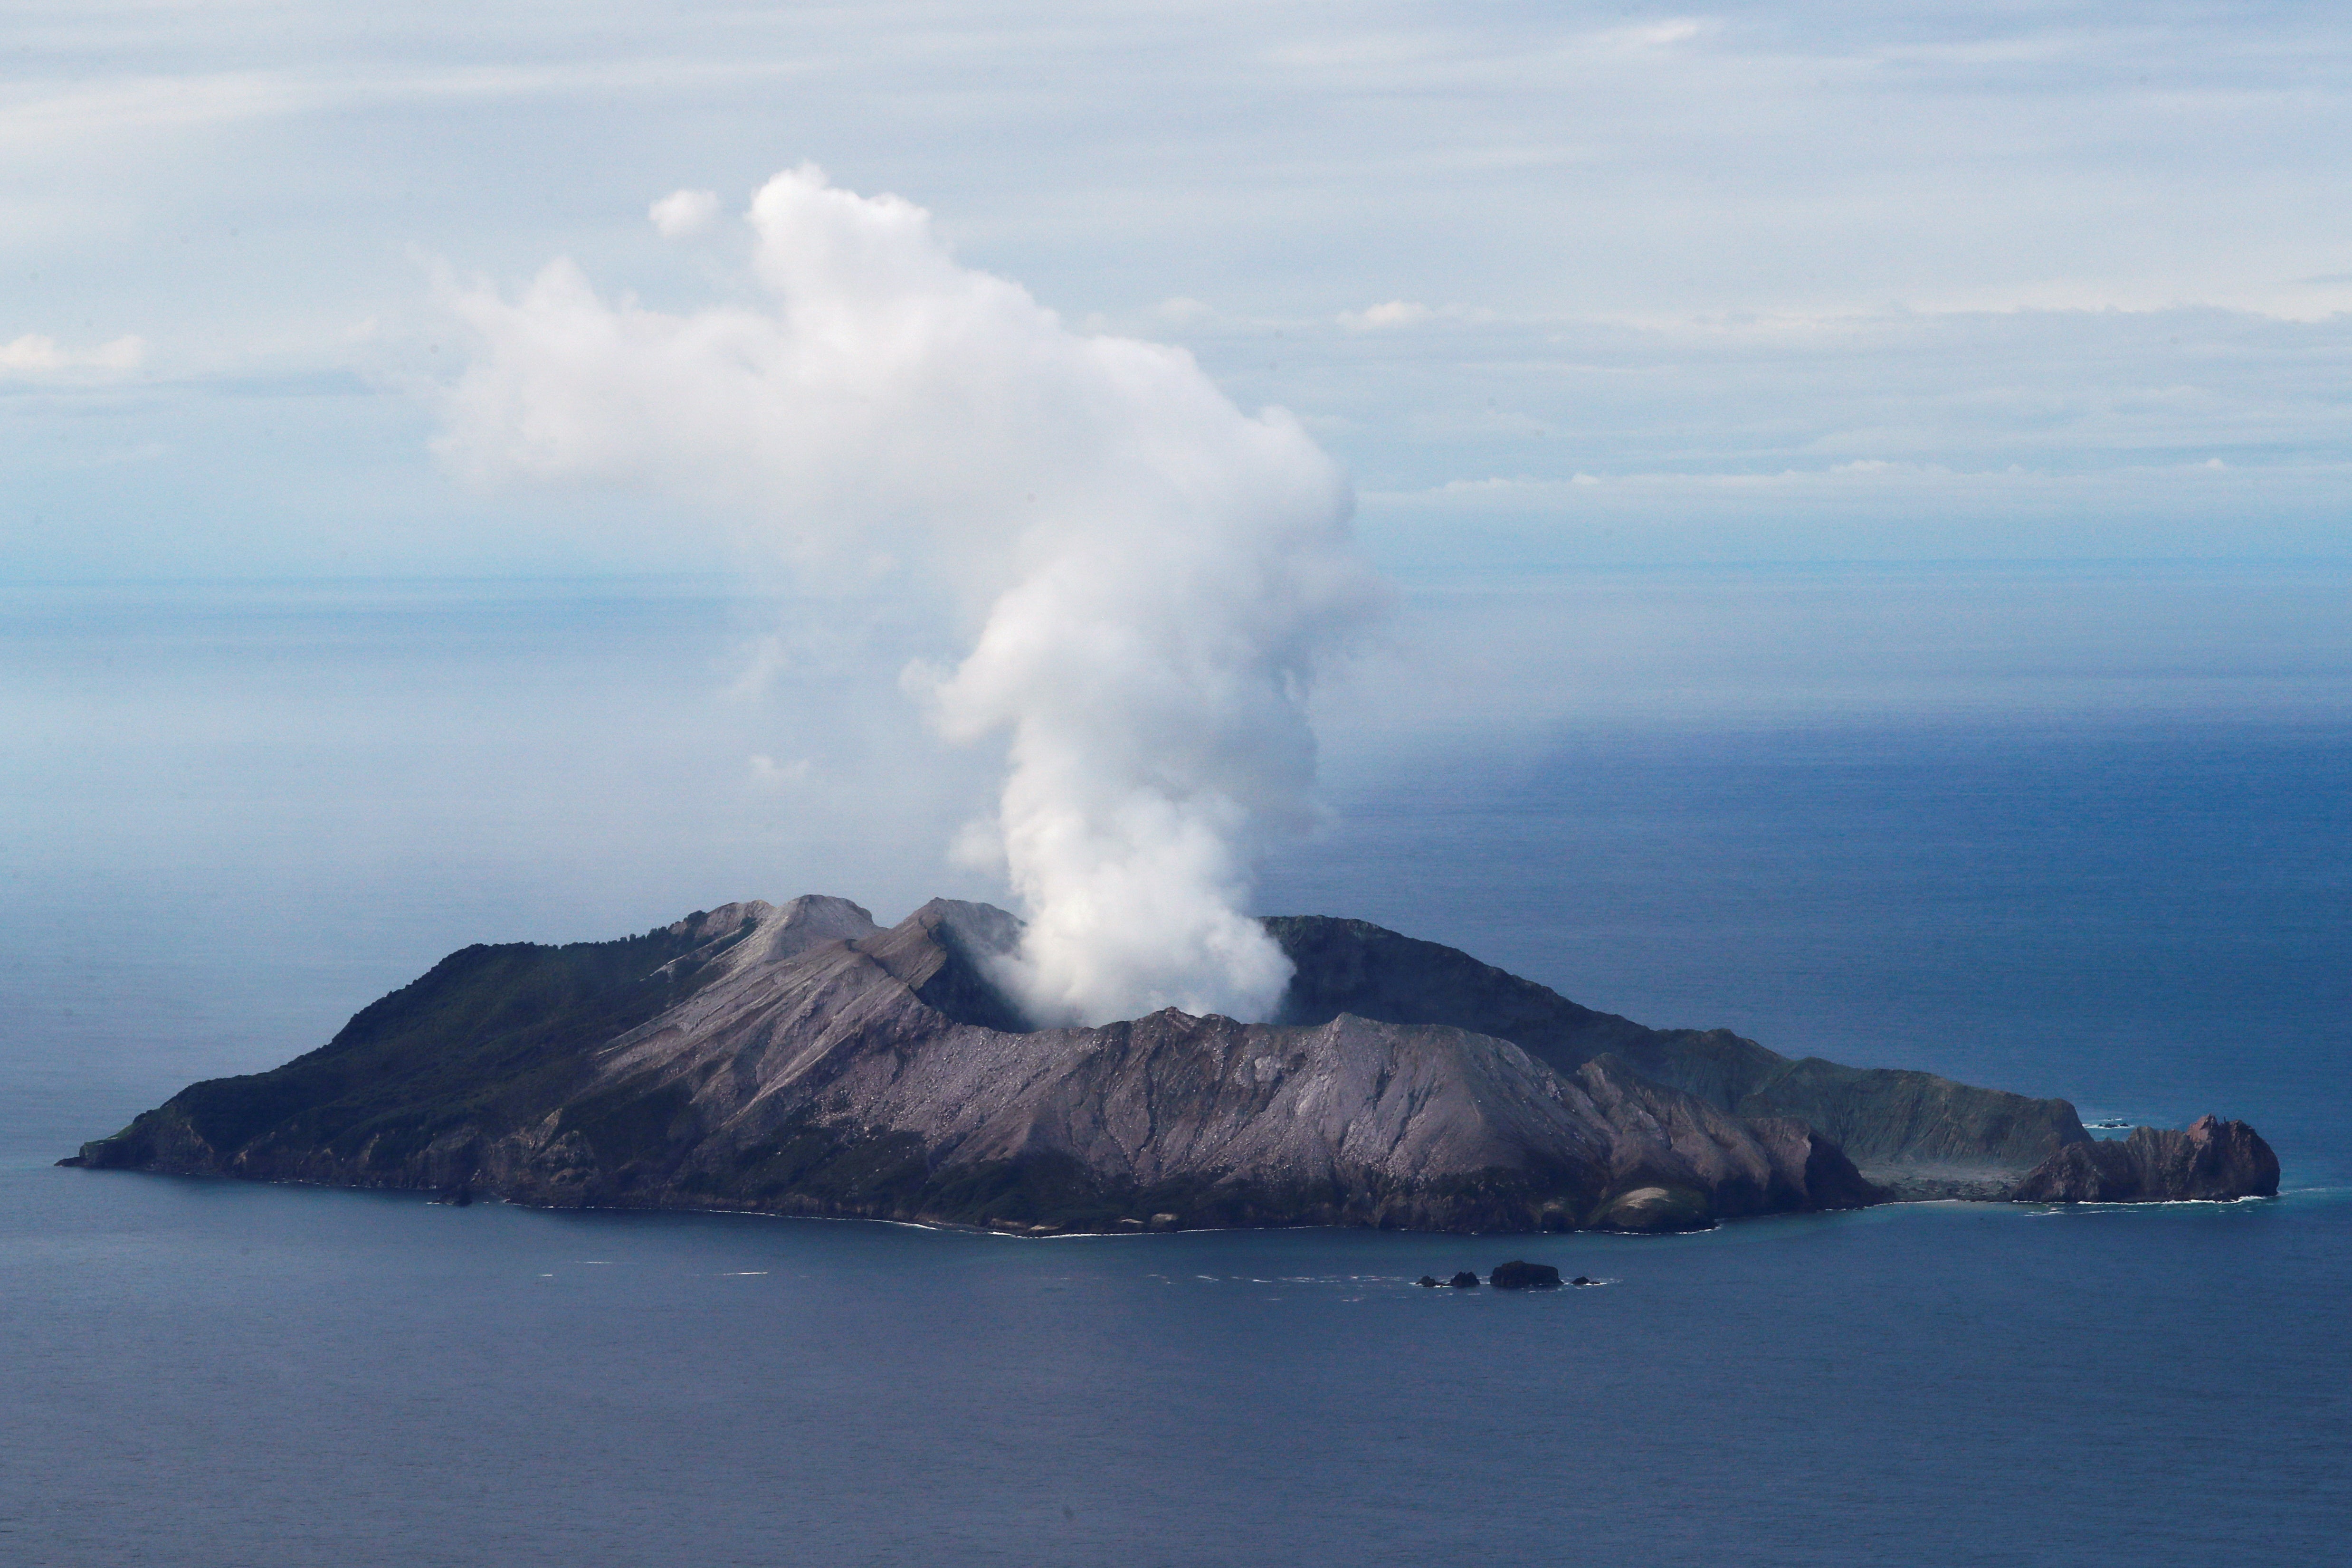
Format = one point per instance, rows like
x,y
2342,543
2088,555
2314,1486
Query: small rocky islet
x,y
800,1059
1515,1275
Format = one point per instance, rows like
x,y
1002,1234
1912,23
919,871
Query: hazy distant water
x,y
2104,857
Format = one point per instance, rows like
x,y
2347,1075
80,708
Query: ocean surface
x,y
2103,852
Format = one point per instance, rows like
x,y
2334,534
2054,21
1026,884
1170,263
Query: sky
x,y
1557,286
1747,366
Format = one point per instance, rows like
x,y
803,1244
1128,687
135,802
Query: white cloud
x,y
1395,313
1153,579
682,214
770,774
35,354
1658,34
1410,313
1183,311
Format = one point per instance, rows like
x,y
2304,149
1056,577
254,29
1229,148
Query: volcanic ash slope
x,y
801,1060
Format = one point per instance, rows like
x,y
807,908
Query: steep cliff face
x,y
1912,1133
2211,1159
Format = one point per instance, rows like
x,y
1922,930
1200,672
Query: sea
x,y
2075,830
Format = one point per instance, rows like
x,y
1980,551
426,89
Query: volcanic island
x,y
801,1060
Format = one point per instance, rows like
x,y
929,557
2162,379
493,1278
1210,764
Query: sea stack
x,y
1517,1275
2212,1160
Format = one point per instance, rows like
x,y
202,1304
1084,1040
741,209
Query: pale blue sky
x,y
1746,283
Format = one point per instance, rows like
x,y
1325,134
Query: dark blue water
x,y
235,844
206,1373
2151,917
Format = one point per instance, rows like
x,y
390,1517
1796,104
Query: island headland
x,y
799,1058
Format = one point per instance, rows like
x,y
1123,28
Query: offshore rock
x,y
798,1059
1520,1276
2212,1160
1464,1281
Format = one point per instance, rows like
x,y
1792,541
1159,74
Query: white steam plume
x,y
1155,576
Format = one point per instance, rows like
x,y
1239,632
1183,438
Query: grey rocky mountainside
x,y
801,1060
1913,1133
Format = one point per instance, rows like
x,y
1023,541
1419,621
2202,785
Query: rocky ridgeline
x,y
801,1060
